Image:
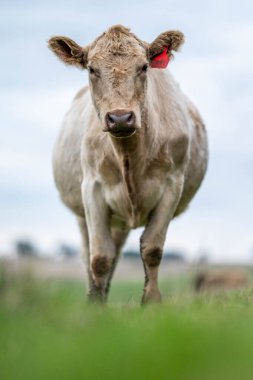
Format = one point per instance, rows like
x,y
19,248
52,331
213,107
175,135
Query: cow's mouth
x,y
122,132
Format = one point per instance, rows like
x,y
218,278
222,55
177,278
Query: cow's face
x,y
118,64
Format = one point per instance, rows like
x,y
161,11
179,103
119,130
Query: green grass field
x,y
48,332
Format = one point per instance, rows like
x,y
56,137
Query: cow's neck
x,y
131,154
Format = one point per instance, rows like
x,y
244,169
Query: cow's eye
x,y
93,71
144,68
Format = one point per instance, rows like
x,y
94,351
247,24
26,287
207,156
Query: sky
x,y
214,68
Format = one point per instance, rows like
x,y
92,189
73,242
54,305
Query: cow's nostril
x,y
110,120
130,119
120,119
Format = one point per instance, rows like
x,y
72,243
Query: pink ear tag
x,y
161,60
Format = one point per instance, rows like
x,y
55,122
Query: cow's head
x,y
118,63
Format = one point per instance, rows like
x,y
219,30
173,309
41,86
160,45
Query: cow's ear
x,y
165,43
69,51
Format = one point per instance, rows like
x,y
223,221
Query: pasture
x,y
48,332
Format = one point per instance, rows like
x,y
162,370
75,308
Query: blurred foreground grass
x,y
48,332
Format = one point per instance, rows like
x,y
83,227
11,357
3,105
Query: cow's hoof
x,y
151,297
96,298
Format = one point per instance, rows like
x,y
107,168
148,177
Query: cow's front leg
x,y
102,247
153,238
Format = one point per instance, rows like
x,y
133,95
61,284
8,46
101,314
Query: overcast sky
x,y
215,68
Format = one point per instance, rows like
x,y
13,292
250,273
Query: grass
x,y
48,332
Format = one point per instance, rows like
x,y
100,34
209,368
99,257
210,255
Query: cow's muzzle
x,y
120,123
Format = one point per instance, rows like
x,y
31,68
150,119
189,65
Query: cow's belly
x,y
133,211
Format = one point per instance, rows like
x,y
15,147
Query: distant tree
x,y
67,251
26,248
174,256
171,255
131,254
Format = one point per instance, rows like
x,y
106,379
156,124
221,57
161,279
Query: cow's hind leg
x,y
119,237
93,292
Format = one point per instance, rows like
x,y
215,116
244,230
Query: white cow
x,y
132,150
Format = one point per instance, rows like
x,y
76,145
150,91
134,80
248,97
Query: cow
x,y
132,151
221,279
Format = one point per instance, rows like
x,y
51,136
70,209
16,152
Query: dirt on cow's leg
x,y
97,271
95,294
151,260
98,276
